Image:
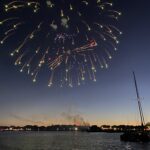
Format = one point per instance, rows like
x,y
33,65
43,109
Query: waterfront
x,y
66,141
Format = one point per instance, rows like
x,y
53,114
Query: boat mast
x,y
139,102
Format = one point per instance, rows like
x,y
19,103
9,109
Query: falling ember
x,y
72,38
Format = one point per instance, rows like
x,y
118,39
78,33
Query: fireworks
x,y
71,38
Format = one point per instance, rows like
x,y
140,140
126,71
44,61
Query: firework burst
x,y
72,38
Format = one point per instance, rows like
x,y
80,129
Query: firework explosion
x,y
72,38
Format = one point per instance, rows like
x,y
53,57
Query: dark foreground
x,y
66,141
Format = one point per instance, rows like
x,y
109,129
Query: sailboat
x,y
139,135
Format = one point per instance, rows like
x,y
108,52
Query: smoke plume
x,y
75,119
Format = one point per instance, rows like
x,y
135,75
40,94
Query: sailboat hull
x,y
135,137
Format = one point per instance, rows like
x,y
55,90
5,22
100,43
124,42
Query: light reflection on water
x,y
66,141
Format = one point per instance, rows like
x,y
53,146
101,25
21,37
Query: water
x,y
66,141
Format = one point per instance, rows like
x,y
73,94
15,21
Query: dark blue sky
x,y
111,100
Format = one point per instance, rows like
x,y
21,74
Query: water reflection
x,y
66,141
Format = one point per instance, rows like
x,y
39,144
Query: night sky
x,y
111,100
